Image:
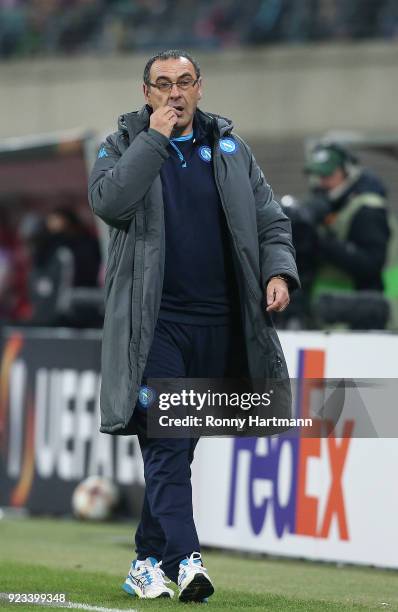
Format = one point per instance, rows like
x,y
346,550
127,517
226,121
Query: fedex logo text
x,y
274,462
280,478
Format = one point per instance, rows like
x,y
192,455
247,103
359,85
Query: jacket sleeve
x,y
363,254
119,181
277,254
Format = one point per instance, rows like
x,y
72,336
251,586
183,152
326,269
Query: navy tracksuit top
x,y
199,280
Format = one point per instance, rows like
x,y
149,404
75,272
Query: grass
x,y
89,563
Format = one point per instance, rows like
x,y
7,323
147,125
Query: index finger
x,y
271,295
165,103
279,298
166,109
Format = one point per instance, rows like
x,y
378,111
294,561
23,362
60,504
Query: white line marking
x,y
67,606
80,606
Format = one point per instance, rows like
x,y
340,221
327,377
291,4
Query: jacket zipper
x,y
237,251
138,282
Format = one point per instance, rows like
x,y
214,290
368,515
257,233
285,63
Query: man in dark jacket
x,y
199,256
350,210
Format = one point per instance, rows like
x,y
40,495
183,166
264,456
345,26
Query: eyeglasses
x,y
183,84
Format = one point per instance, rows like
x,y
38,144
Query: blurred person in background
x,y
359,19
13,27
344,238
14,304
80,25
64,255
388,19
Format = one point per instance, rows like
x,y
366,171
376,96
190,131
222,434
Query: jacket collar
x,y
206,125
135,122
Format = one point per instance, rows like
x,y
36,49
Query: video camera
x,y
310,211
305,215
359,311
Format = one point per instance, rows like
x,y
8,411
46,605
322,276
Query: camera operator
x,y
343,237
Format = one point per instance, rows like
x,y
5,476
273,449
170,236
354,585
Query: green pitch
x,y
89,563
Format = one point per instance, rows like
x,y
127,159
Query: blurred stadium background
x,y
288,72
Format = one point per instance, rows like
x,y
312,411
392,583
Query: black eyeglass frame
x,y
171,83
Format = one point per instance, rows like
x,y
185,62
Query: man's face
x,y
327,183
184,101
56,223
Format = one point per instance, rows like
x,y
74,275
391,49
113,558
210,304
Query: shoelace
x,y
154,575
193,562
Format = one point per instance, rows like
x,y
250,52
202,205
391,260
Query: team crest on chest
x,y
228,145
205,153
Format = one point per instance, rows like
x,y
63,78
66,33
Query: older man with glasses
x,y
200,254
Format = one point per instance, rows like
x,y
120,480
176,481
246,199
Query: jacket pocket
x,y
113,259
278,370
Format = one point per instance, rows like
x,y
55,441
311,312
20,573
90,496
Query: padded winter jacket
x,y
125,191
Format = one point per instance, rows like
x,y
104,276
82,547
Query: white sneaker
x,y
146,580
193,579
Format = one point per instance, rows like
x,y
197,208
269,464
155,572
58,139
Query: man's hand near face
x,y
163,120
277,294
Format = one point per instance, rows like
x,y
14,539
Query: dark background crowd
x,y
51,269
344,233
57,27
43,257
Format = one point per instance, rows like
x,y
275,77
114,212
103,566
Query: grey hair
x,y
170,54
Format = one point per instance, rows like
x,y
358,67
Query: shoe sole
x,y
198,589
